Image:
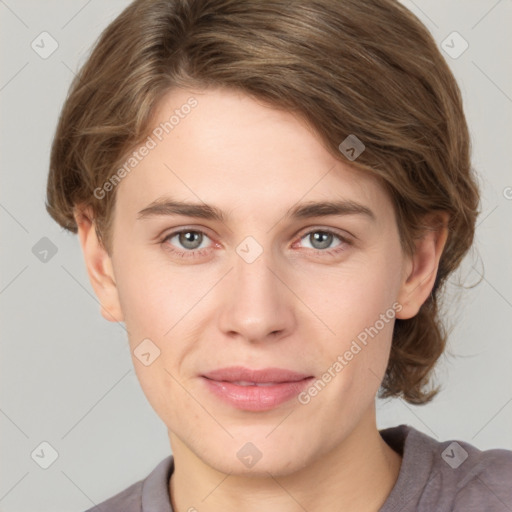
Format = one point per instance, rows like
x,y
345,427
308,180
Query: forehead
x,y
225,148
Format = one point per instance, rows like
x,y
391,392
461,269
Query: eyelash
x,y
200,252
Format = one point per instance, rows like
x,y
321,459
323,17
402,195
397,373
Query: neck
x,y
357,475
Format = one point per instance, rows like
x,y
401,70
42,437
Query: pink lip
x,y
285,384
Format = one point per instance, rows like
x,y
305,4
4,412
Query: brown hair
x,y
340,65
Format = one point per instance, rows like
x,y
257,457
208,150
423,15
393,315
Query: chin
x,y
254,454
276,464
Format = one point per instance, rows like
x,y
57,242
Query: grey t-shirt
x,y
448,476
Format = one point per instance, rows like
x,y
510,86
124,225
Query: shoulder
x,y
468,478
485,482
129,500
447,476
144,495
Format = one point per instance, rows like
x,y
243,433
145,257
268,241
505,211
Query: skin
x,y
294,307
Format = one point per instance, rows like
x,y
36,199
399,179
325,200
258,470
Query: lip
x,y
271,386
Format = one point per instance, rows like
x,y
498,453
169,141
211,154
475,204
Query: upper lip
x,y
239,373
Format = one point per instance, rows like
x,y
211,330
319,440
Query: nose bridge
x,y
256,279
258,304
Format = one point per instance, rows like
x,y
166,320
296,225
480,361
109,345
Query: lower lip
x,y
256,398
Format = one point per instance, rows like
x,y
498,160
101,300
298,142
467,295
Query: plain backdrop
x,y
66,374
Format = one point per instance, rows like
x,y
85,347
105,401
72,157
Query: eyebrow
x,y
165,206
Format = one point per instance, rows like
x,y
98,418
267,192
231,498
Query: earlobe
x,y
422,267
99,266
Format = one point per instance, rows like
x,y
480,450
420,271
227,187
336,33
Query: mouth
x,y
247,383
255,390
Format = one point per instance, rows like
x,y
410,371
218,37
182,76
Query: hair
x,y
342,66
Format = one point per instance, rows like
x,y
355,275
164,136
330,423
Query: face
x,y
299,300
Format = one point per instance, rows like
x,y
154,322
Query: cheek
x,y
155,297
170,400
359,307
354,297
166,306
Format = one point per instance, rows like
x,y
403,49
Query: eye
x,y
321,240
187,243
188,239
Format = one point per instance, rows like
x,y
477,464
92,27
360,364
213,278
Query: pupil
x,y
321,240
189,239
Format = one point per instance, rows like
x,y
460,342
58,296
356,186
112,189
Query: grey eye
x,y
320,239
190,239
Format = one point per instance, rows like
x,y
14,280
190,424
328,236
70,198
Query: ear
x,y
99,266
421,268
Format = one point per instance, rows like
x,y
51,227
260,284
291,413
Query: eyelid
x,y
177,231
342,246
166,233
344,235
300,234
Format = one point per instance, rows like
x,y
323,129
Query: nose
x,y
257,305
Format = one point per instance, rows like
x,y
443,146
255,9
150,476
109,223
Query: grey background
x,y
66,374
